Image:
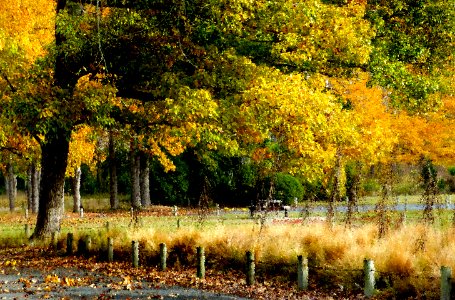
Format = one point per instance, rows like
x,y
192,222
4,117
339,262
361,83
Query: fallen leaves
x,y
64,273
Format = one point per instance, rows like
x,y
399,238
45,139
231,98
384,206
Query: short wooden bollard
x,y
368,270
108,226
54,240
26,213
27,230
69,243
302,272
81,212
163,256
175,211
200,262
250,268
446,283
88,245
135,248
110,249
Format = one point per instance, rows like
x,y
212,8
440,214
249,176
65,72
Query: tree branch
x,y
11,86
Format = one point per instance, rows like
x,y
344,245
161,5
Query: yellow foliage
x,y
82,149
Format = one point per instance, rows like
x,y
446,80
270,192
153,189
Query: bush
x,y
371,186
287,188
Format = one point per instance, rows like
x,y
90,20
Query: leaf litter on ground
x,y
38,273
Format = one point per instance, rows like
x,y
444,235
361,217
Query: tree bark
x,y
77,190
11,186
113,186
135,176
29,188
54,160
36,179
33,175
145,179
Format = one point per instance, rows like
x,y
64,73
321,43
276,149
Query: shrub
x,y
287,187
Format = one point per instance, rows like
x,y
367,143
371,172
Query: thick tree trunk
x,y
113,187
11,186
145,180
54,160
135,177
77,190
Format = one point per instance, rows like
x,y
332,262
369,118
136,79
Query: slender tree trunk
x,y
135,177
145,180
33,175
77,190
113,187
36,178
54,160
29,188
11,186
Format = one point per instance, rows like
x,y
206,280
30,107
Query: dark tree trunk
x,y
113,187
77,190
54,160
11,186
29,188
145,180
135,176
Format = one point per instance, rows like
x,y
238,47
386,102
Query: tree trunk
x,y
77,190
36,179
135,177
33,175
145,180
54,160
29,188
113,187
11,186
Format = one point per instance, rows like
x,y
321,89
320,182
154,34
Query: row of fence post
x,y
84,248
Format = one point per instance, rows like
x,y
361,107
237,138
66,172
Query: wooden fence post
x,y
88,245
368,270
249,268
163,256
54,240
27,230
200,262
69,243
135,248
302,272
110,249
446,283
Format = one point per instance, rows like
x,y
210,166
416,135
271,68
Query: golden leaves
x,y
82,149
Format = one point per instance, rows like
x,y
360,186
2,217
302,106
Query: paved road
x,y
32,284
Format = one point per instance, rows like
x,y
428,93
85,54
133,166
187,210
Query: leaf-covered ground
x,y
34,273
